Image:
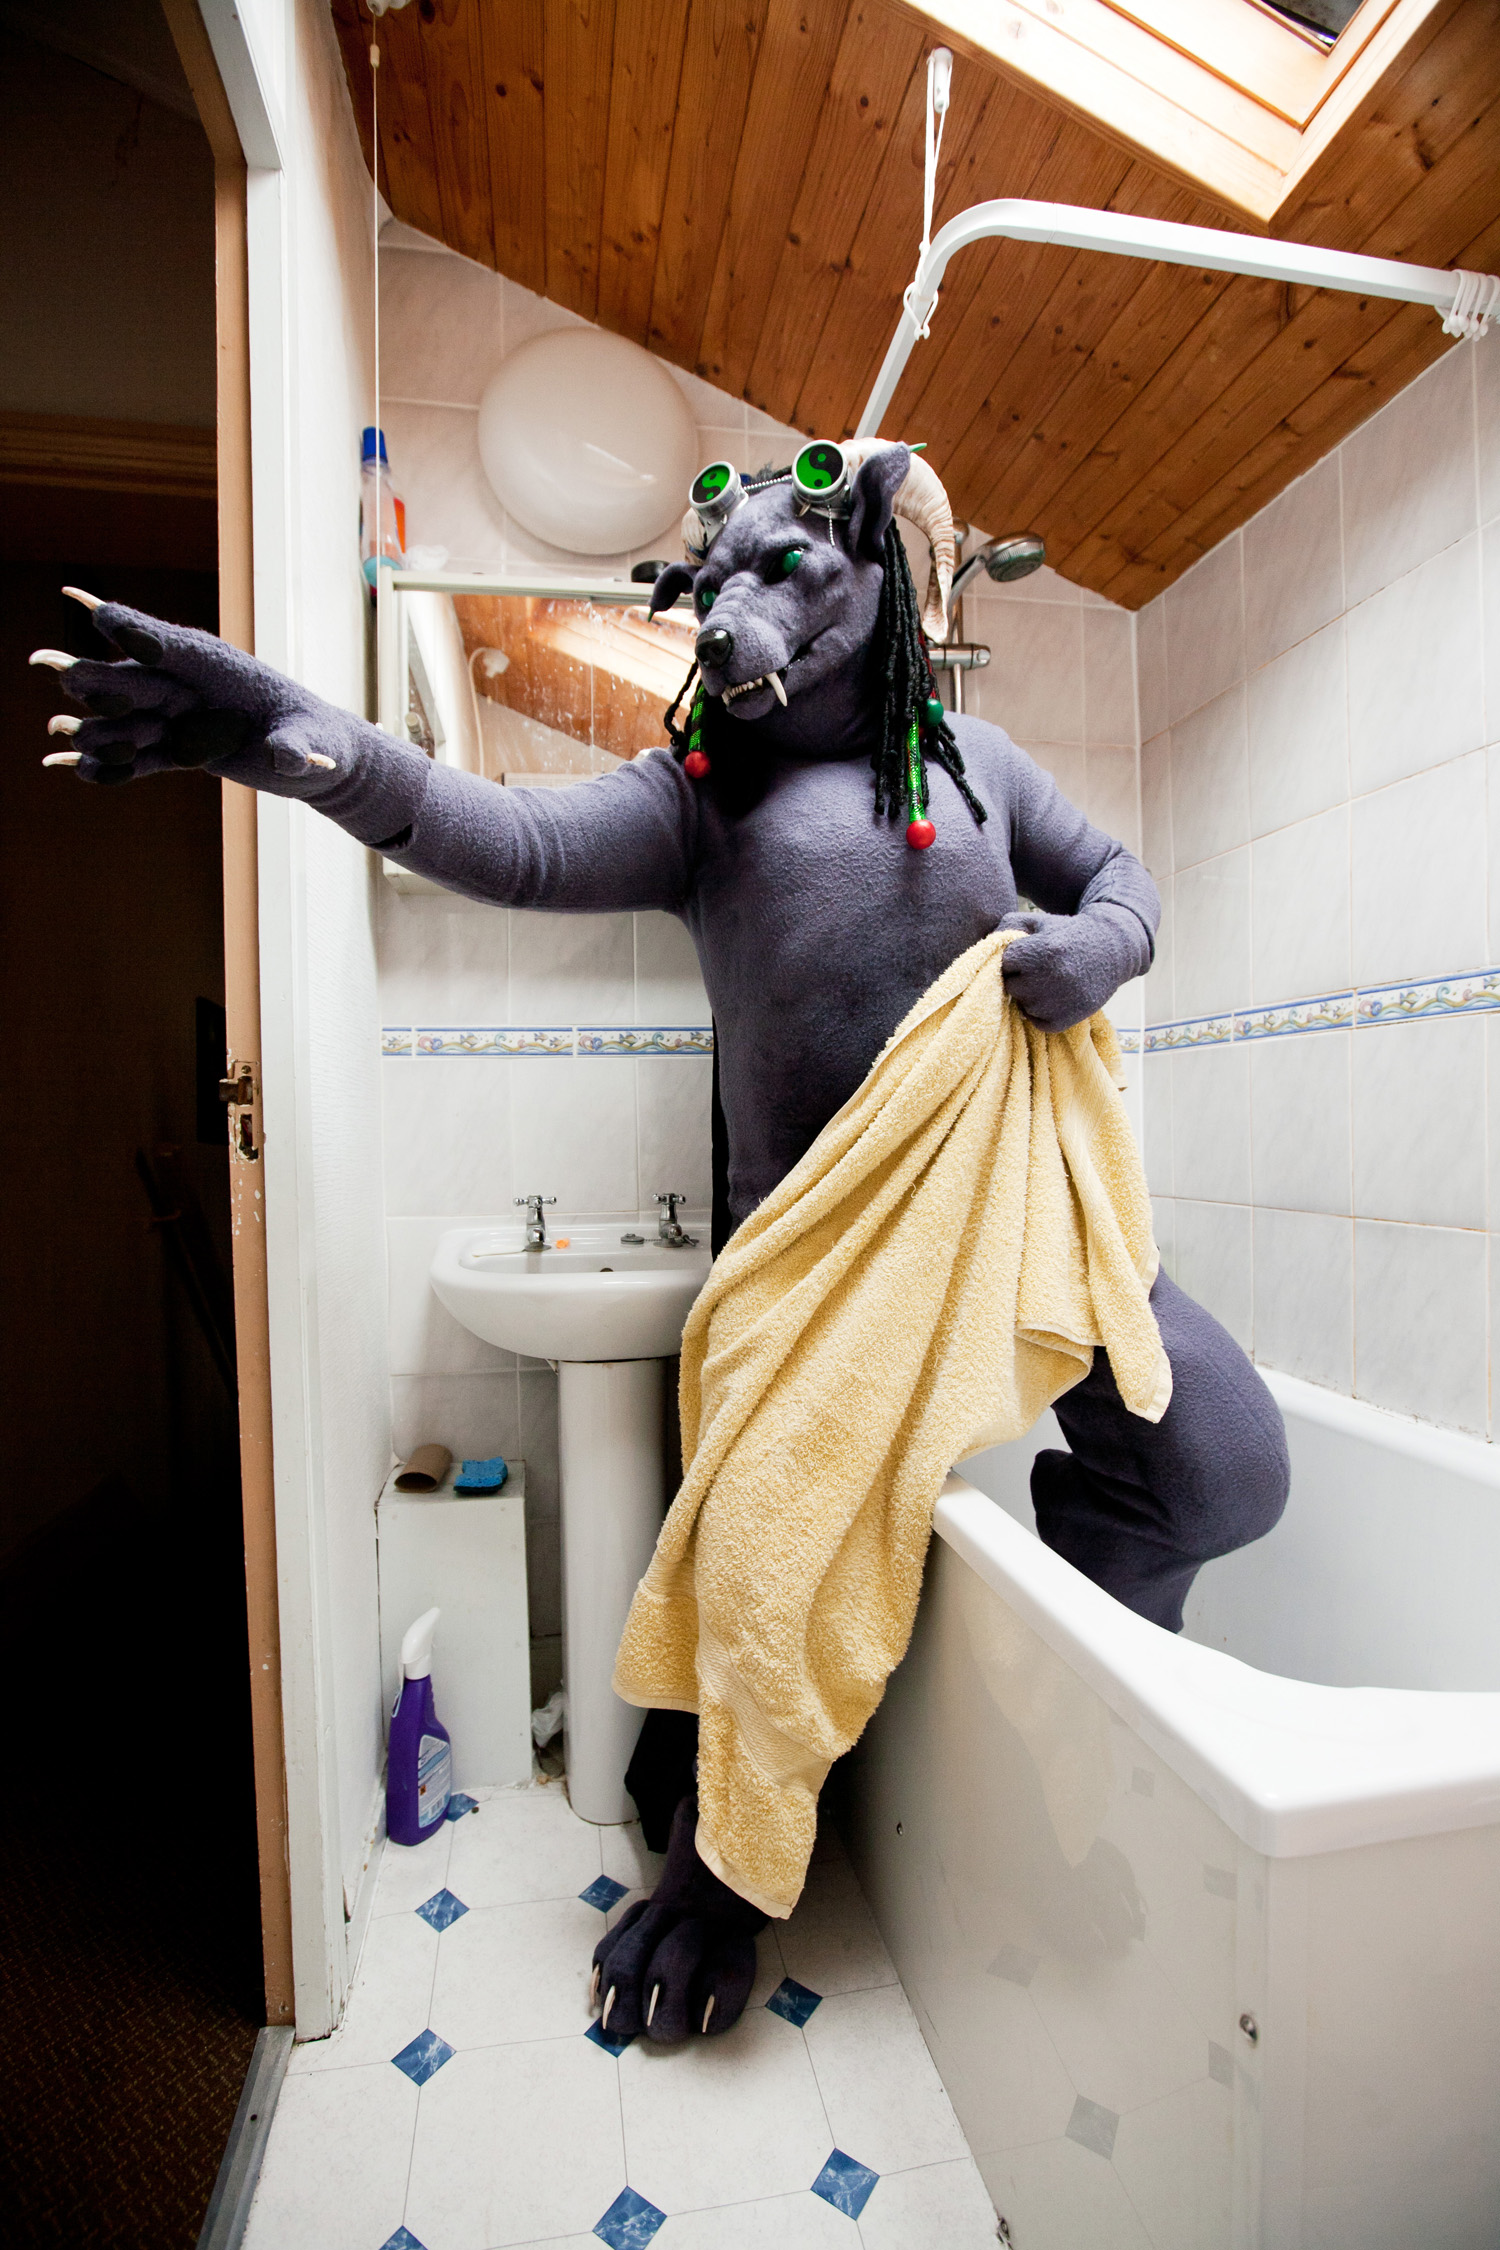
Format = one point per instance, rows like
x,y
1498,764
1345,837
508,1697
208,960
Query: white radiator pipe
x,y
1017,219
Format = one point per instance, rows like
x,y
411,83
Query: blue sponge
x,y
482,1476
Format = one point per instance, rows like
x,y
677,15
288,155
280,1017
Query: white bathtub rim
x,y
1293,1768
1453,1450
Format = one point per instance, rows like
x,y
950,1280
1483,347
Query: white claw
x,y
609,2003
315,758
63,758
655,1996
773,681
58,658
708,2011
89,601
63,723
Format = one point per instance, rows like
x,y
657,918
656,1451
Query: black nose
x,y
714,647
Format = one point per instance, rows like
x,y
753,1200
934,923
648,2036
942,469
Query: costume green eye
x,y
705,597
790,560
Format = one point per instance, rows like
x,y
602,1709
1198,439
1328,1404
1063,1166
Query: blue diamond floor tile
x,y
631,2222
402,2239
424,2057
459,1804
793,2001
846,2185
602,2039
442,1910
604,1892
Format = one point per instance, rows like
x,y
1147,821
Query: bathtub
x,y
1203,1932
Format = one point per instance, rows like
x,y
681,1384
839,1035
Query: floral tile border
x,y
506,1042
641,1039
1363,1008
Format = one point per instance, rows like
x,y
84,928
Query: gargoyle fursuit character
x,y
834,842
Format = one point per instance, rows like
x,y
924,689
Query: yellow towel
x,y
935,1271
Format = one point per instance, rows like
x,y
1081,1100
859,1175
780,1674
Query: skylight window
x,y
1325,18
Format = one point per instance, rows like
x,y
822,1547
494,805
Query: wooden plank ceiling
x,y
737,184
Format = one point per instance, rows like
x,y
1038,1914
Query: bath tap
x,y
536,1225
668,1230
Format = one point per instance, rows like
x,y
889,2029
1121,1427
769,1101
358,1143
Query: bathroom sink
x,y
598,1299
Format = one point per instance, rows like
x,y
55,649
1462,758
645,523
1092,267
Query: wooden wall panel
x,y
738,183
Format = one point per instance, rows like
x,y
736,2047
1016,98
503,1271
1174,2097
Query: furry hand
x,y
186,698
1065,966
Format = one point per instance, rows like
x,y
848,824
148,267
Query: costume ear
x,y
674,581
876,483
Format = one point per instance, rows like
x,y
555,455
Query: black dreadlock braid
x,y
909,700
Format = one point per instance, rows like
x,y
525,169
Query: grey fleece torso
x,y
816,925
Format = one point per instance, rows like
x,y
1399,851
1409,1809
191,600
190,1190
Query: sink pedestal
x,y
611,1457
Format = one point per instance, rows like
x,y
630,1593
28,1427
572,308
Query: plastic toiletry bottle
x,y
382,511
419,1770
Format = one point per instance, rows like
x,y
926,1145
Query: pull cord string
x,y
375,243
939,82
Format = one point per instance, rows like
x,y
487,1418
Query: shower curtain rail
x,y
1469,299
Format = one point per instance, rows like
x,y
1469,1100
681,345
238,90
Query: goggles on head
x,y
822,482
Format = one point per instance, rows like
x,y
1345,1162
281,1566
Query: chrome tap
x,y
668,1230
536,1225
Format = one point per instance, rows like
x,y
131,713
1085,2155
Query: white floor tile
x,y
1059,2196
830,1943
515,2145
508,1973
626,1858
783,2222
940,2207
884,2099
770,1969
390,2000
409,1873
723,2120
334,2176
522,1844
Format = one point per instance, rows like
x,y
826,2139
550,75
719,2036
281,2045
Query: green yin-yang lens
x,y
819,466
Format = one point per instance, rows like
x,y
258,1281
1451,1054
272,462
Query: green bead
x,y
934,712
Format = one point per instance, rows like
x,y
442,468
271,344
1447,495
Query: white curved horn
x,y
922,500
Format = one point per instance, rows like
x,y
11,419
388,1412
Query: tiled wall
x,y
513,1060
1320,718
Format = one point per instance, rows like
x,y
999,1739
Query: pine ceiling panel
x,y
738,184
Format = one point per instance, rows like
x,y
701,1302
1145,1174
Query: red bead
x,y
920,834
696,764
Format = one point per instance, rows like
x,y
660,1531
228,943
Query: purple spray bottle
x,y
419,1769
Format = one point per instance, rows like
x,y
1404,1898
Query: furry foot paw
x,y
681,1962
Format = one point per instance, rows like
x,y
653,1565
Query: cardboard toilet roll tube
x,y
426,1469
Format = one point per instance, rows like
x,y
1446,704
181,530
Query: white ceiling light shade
x,y
587,441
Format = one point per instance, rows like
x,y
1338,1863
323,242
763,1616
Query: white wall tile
x,y
673,1100
1299,903
1419,1123
1156,804
1215,1263
441,333
1159,988
475,1416
1304,1301
1416,693
1297,727
668,983
1108,676
1210,783
436,468
1294,575
1151,667
1299,1097
1492,791
1211,935
1156,1083
1111,798
1034,684
1211,1124
425,1339
1419,1322
443,959
1409,478
1164,1228
1489,567
1205,630
1487,404
573,1132
448,1135
572,968
1418,854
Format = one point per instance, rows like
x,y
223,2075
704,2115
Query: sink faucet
x,y
536,1225
668,1230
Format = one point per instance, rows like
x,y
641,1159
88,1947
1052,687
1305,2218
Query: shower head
x,y
1003,560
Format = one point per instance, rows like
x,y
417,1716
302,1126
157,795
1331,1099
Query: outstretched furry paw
x,y
682,1961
